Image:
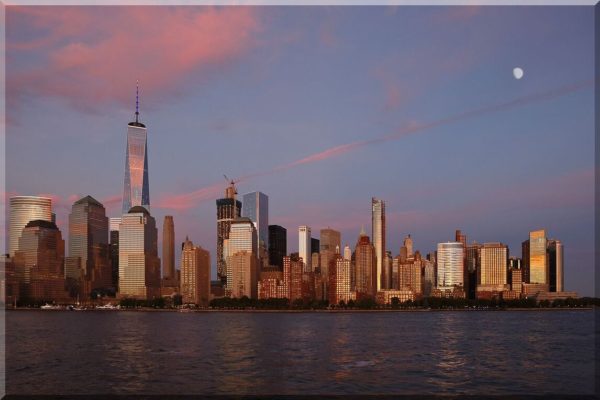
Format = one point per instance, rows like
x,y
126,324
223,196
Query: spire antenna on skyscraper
x,y
137,100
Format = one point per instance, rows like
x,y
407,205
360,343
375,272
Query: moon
x,y
518,72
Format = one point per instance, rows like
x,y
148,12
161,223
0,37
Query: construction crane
x,y
231,183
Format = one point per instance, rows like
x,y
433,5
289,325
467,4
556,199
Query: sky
x,y
321,108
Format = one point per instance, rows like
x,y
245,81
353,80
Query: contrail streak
x,y
188,200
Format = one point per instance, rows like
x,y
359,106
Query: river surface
x,y
110,352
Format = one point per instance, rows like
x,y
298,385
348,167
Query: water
x,y
107,352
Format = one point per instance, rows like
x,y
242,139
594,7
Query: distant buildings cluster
x,y
118,257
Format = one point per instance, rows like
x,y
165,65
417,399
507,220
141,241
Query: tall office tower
x,y
329,241
195,274
449,265
277,245
493,261
136,188
304,247
378,236
168,251
347,253
315,245
472,267
366,267
462,238
139,265
39,261
113,228
228,209
22,210
242,238
88,245
538,258
525,260
408,244
339,281
555,265
255,205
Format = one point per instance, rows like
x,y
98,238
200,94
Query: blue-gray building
x,y
255,205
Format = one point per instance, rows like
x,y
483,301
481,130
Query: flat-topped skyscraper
x,y
136,191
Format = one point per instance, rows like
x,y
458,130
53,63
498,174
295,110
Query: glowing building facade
x,y
450,265
378,236
22,210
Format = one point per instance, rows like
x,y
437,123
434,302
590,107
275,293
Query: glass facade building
x,y
22,210
556,265
255,205
277,245
88,242
378,235
538,260
305,246
450,265
136,191
242,238
139,265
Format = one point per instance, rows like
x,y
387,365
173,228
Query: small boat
x,y
51,307
108,307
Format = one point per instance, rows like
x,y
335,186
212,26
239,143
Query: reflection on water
x,y
300,353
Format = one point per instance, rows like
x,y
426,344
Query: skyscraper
x,y
39,261
228,208
136,189
378,236
168,251
538,259
556,265
493,263
366,268
277,245
304,247
408,244
255,205
242,238
139,265
113,228
88,244
330,240
24,209
195,274
449,265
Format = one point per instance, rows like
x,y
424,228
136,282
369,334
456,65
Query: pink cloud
x,y
91,56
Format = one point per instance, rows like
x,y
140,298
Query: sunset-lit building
x,y
366,267
39,261
305,247
195,274
386,296
378,237
339,281
450,265
228,209
242,238
89,258
139,265
555,265
22,210
243,267
492,265
535,259
409,277
271,285
136,188
292,277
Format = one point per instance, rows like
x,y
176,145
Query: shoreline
x,y
315,311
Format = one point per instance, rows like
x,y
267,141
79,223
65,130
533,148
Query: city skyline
x,y
557,198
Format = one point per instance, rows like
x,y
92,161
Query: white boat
x,y
108,307
51,307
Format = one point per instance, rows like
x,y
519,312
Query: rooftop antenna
x,y
137,100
